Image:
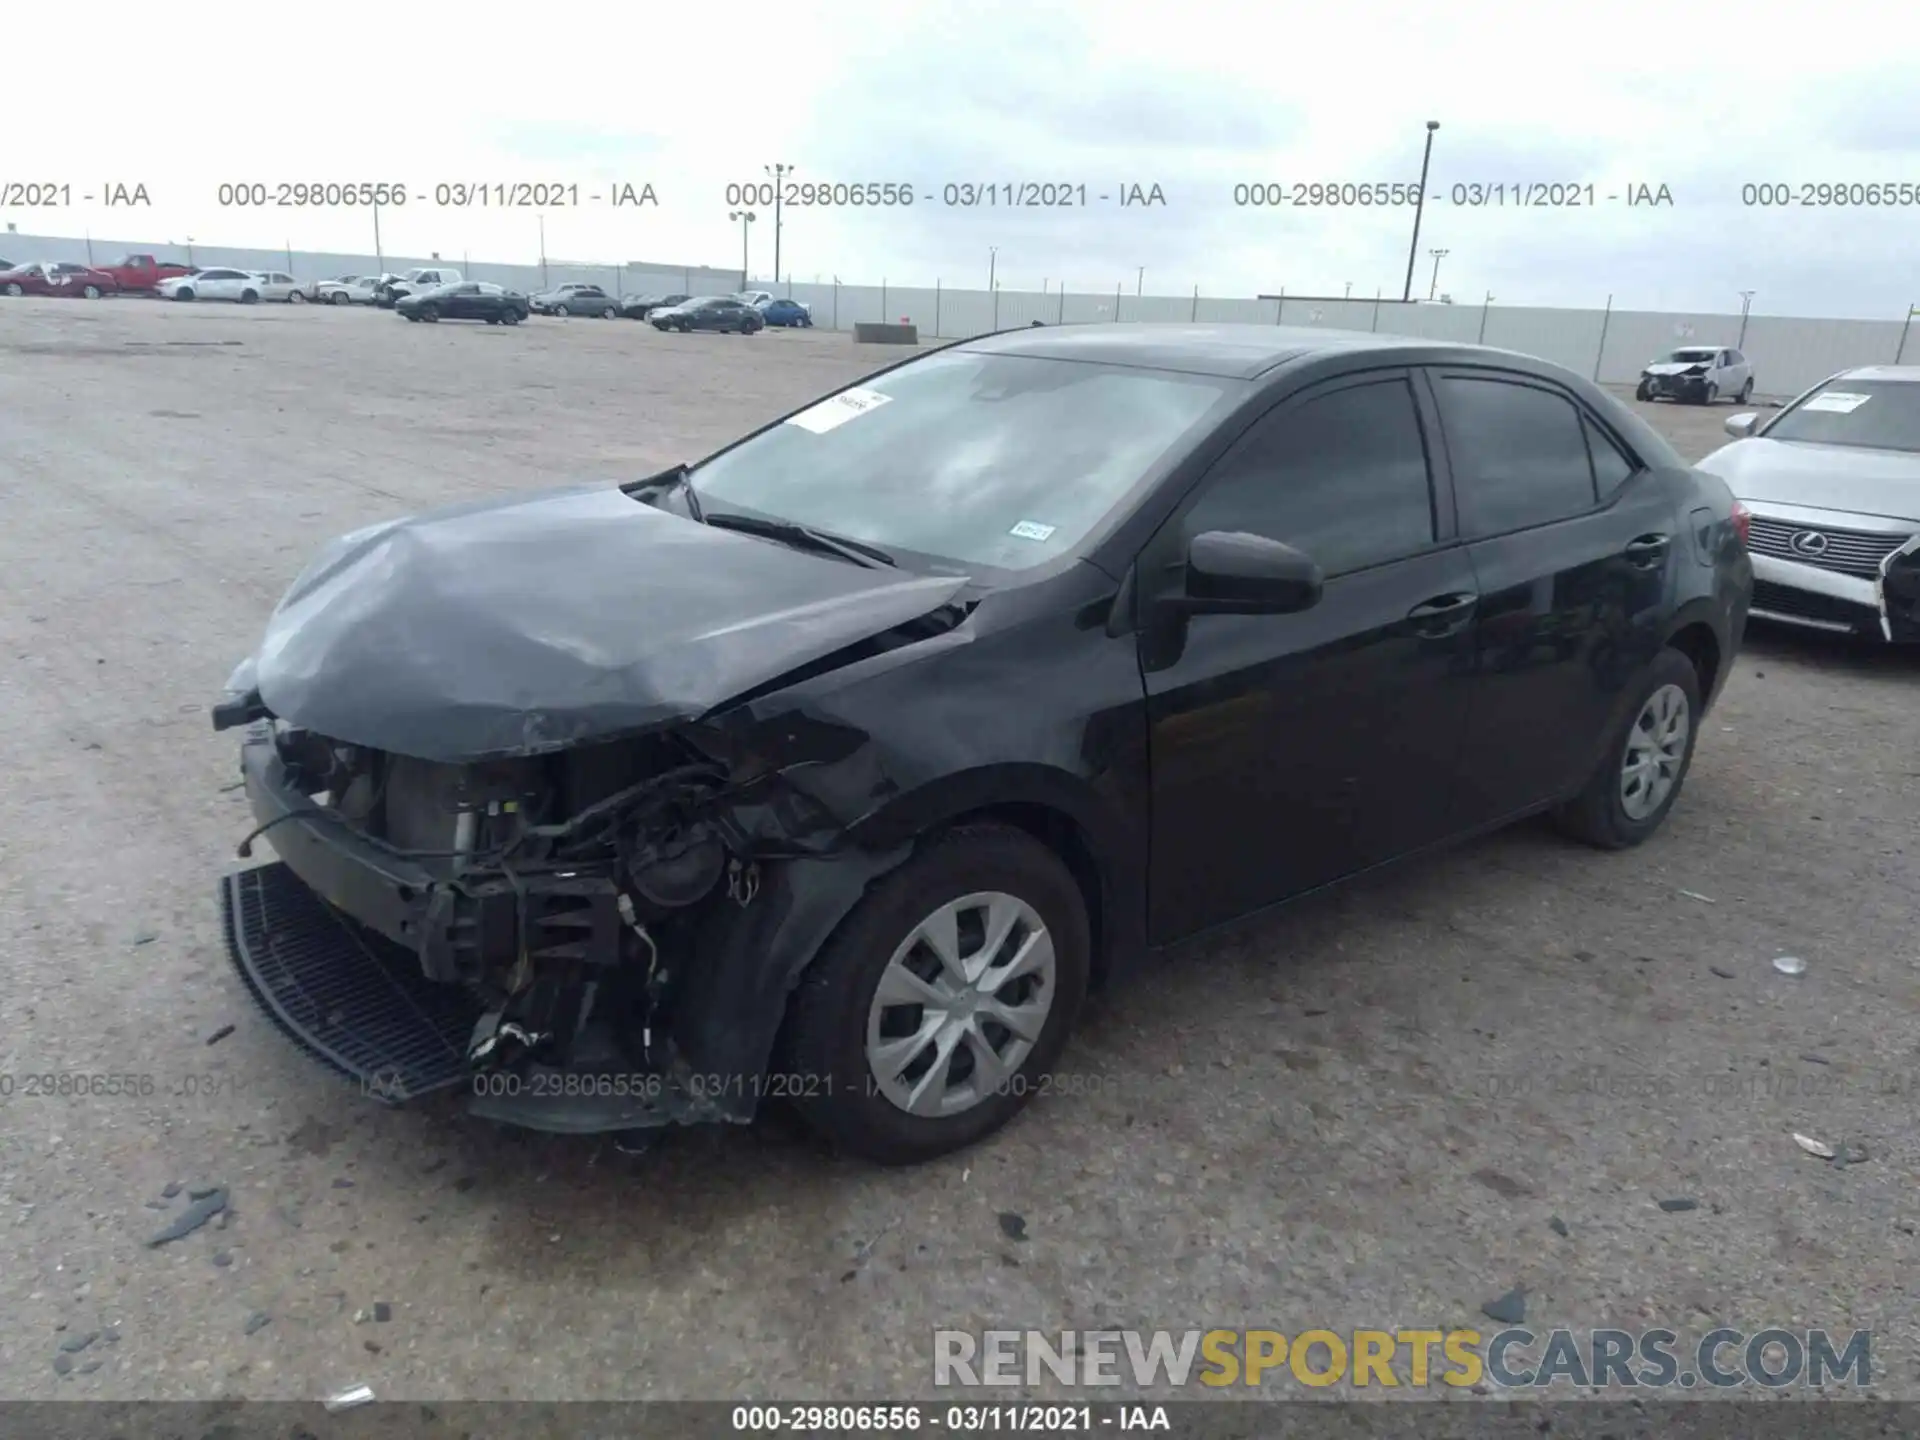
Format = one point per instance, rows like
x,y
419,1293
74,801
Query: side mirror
x,y
1741,426
1230,573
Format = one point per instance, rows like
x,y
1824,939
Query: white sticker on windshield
x,y
836,410
1033,530
1837,400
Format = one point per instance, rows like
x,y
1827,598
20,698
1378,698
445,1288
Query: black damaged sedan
x,y
838,767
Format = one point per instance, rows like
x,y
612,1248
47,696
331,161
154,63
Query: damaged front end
x,y
516,850
596,939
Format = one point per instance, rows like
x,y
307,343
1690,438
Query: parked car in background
x,y
143,273
788,313
575,300
710,312
1699,373
213,283
1229,614
344,290
639,307
58,278
422,277
466,300
280,287
1833,481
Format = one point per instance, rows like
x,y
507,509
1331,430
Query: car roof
x,y
1235,351
1908,373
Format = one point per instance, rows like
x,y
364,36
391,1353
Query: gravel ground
x,y
1361,1112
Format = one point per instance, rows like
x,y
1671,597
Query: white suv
x,y
1701,373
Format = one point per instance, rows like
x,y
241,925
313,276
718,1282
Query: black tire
x,y
1644,391
513,317
295,297
430,314
1746,391
14,287
685,329
609,313
91,292
340,297
1597,815
1710,395
825,1033
561,311
249,297
185,292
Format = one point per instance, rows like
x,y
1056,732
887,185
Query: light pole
x,y
543,250
1419,204
379,258
1746,304
189,252
993,255
1438,256
1349,294
746,218
779,173
1139,279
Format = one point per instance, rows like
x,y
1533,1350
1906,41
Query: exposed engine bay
x,y
567,887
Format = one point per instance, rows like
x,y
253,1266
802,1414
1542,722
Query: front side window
x,y
1003,461
1870,414
1342,477
1519,455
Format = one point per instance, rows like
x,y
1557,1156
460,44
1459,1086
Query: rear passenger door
x,y
1572,543
1291,750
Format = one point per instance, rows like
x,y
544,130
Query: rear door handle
x,y
1648,550
1444,614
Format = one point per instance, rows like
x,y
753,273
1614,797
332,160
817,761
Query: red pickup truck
x,y
143,272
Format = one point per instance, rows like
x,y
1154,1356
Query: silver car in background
x,y
344,290
1833,486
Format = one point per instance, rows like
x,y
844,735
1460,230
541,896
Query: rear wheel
x,y
296,298
609,313
249,297
1639,777
929,1018
185,292
15,288
430,314
512,317
91,292
561,311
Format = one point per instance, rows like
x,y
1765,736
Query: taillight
x,y
1742,519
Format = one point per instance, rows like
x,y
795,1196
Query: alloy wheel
x,y
961,1004
1656,749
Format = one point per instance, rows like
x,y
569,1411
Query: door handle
x,y
1444,614
1647,551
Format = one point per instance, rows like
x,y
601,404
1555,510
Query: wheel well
x,y
1698,644
1064,837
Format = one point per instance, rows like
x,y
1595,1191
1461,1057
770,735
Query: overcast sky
x,y
1194,97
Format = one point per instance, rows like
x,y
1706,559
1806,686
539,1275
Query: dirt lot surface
x,y
1362,1112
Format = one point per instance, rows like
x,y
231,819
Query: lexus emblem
x,y
1808,542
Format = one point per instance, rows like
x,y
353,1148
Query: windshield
x,y
1871,414
1690,357
996,460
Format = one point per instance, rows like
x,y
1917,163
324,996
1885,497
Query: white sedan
x,y
245,286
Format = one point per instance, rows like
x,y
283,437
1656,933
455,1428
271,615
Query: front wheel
x,y
183,293
340,297
1746,391
249,297
92,292
1644,391
943,1002
1710,394
609,313
561,311
1639,777
429,314
512,317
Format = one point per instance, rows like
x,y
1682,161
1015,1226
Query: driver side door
x,y
1290,750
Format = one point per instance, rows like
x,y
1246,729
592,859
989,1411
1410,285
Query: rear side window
x,y
1342,477
1519,455
1611,467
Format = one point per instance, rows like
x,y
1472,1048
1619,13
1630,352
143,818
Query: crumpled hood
x,y
521,626
1674,367
1820,477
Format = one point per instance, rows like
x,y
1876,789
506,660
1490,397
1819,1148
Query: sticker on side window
x,y
1033,530
1839,401
837,410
